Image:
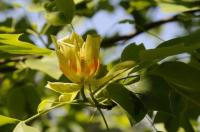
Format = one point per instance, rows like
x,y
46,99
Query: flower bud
x,y
79,60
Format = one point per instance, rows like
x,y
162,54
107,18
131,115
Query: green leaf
x,y
16,103
180,116
7,120
67,7
122,66
131,52
187,40
161,53
78,1
183,78
129,81
127,100
142,4
47,64
54,40
22,101
118,71
6,29
22,127
154,93
32,98
185,123
55,18
129,21
67,97
171,47
10,43
174,7
63,87
4,55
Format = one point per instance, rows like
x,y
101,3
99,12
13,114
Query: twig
x,y
43,112
111,41
53,107
151,122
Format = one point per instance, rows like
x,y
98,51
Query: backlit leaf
x,y
44,105
47,64
22,127
7,120
63,87
10,43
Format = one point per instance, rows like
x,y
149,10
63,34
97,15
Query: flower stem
x,y
98,108
82,92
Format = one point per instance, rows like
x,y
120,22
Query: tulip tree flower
x,y
79,60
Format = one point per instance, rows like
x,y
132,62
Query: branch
x,y
7,69
111,41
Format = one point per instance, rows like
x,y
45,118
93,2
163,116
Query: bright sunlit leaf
x,y
22,127
7,120
44,105
63,87
10,43
47,64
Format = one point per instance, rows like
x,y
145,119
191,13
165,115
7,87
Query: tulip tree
x,y
50,81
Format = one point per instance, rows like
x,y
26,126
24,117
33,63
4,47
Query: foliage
x,y
142,86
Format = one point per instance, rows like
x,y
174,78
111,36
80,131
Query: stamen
x,y
68,44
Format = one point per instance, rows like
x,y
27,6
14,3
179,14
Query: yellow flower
x,y
79,60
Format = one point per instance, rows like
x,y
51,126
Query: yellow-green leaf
x,y
173,8
22,127
67,97
47,64
63,87
10,43
7,120
118,71
44,105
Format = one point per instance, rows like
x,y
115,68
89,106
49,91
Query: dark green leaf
x,y
184,78
127,100
131,52
175,46
130,21
32,99
180,116
23,101
154,93
187,40
161,53
105,5
67,7
16,103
